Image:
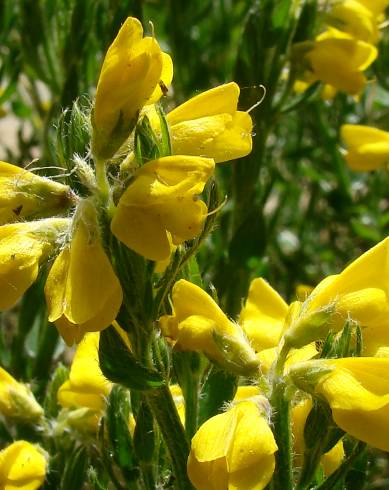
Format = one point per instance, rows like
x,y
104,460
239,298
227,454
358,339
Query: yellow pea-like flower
x,y
376,7
81,274
233,450
132,70
162,205
356,19
263,315
198,324
367,147
17,400
23,247
263,319
86,386
357,390
338,59
26,195
360,293
209,125
22,466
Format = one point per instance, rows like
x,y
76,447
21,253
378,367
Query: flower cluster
x,y
339,55
158,205
285,340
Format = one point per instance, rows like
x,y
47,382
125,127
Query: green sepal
x,y
75,470
218,389
50,404
120,440
104,145
120,366
145,435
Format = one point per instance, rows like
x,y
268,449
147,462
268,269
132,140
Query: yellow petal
x,y
129,76
22,465
338,59
353,17
263,315
23,246
218,100
333,459
166,78
80,274
163,200
233,450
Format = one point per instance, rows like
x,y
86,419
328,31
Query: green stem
x,y
101,178
165,413
283,475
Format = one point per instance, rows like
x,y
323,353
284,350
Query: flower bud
x,y
129,78
26,195
17,400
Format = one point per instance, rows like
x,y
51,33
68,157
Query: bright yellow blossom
x,y
84,393
198,324
26,195
162,205
263,318
22,466
132,69
357,390
338,59
263,315
376,7
82,291
209,125
86,386
17,400
353,17
360,293
233,450
23,247
367,147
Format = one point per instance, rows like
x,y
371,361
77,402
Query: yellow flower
x,y
233,450
360,292
22,466
198,324
263,319
353,17
23,247
84,394
376,7
332,459
82,291
368,148
357,390
209,125
338,59
263,315
17,400
25,195
86,386
163,200
132,69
